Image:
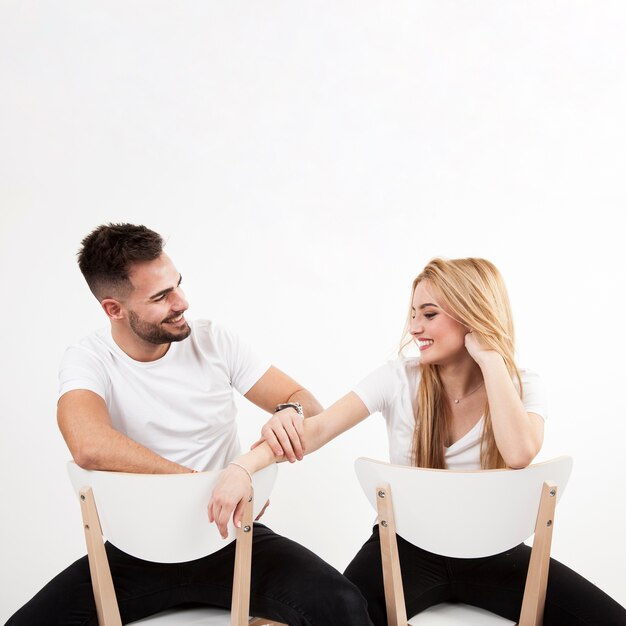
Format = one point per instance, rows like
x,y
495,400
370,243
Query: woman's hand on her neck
x,y
478,350
518,434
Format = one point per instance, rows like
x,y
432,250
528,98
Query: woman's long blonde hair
x,y
473,293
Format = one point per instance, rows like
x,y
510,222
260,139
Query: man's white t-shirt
x,y
392,390
180,406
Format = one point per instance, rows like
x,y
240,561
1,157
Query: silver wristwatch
x,y
294,405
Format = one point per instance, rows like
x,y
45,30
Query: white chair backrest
x,y
464,514
162,517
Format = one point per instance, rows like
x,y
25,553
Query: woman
x,y
463,404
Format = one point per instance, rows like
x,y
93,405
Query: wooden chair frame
x,y
536,581
102,582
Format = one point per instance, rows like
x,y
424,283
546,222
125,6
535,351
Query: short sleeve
x,y
378,388
81,369
244,366
534,397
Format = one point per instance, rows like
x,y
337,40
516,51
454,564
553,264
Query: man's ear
x,y
112,308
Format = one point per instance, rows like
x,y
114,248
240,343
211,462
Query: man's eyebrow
x,y
164,292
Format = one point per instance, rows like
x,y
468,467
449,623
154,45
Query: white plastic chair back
x,y
162,517
464,514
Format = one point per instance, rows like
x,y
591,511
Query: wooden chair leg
x,y
392,576
537,579
101,581
240,607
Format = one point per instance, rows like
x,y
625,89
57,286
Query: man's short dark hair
x,y
109,251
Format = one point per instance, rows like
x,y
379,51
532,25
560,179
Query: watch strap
x,y
294,405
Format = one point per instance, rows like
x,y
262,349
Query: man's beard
x,y
155,333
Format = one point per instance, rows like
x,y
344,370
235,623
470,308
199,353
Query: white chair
x,y
464,514
164,518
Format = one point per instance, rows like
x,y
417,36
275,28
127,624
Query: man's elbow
x,y
87,456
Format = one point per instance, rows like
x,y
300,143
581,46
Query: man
x,y
154,394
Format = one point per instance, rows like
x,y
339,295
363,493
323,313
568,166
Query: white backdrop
x,y
305,160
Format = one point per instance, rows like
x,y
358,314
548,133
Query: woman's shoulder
x,y
409,363
392,372
403,373
534,396
400,367
529,376
380,389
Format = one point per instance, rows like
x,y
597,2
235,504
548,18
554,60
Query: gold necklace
x,y
457,400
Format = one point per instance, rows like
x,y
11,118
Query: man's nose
x,y
180,302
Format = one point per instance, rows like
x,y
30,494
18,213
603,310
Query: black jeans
x,y
289,584
494,583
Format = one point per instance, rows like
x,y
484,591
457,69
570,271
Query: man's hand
x,y
229,497
284,433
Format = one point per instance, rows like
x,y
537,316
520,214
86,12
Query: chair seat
x,y
195,616
457,615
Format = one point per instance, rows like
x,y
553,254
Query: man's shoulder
x,y
97,341
96,347
209,331
203,325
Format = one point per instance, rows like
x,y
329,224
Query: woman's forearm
x,y
234,486
518,434
341,416
318,430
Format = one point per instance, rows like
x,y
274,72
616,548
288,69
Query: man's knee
x,y
341,602
353,604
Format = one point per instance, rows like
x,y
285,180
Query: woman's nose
x,y
415,325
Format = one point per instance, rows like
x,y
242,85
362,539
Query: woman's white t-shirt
x,y
392,390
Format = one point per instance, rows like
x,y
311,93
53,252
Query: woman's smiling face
x,y
440,338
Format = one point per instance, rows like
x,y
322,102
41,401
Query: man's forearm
x,y
115,452
309,403
112,451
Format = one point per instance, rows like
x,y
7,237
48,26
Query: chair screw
x,y
381,494
86,526
552,493
549,523
246,529
384,524
250,499
82,497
